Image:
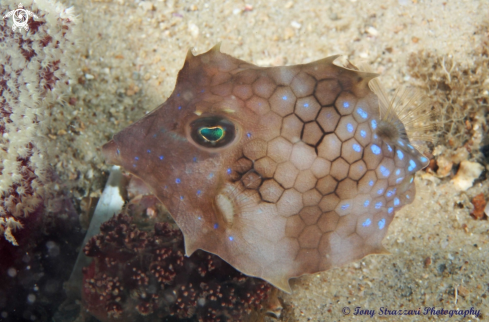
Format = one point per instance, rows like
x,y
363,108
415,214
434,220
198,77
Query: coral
x,y
35,67
139,274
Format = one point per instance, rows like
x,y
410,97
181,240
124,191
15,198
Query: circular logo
x,y
20,18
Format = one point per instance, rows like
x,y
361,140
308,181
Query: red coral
x,y
138,273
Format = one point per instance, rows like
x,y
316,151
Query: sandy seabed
x,y
128,59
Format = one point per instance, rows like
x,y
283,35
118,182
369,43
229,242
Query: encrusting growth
x,y
139,274
34,72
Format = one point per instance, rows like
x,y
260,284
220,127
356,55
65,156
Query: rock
x,y
479,203
466,174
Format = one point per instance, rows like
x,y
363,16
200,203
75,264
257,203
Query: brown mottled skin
x,y
305,185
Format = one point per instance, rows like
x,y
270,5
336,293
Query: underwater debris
x,y
466,174
145,273
446,159
460,93
34,72
479,203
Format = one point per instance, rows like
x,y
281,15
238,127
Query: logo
x,y
20,17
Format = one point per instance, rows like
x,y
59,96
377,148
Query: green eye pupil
x,y
212,134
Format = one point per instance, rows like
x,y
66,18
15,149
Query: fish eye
x,y
212,131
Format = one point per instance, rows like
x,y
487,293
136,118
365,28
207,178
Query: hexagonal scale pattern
x,y
307,180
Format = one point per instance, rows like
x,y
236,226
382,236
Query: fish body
x,y
280,171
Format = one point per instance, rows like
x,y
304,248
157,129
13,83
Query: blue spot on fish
x,y
194,159
399,180
284,98
216,225
362,113
382,223
412,165
306,104
356,147
228,170
136,158
179,107
371,183
400,155
345,206
248,135
396,202
199,192
380,191
374,124
423,159
390,193
378,205
177,180
161,157
389,148
398,172
346,105
367,222
231,238
400,143
366,203
363,133
181,197
349,127
390,210
385,172
375,149
118,151
149,151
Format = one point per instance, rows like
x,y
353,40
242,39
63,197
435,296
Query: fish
x,y
280,171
